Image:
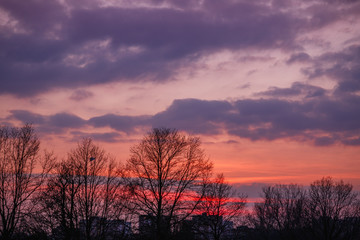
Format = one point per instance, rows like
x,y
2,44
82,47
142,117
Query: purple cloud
x,y
297,89
268,119
193,115
53,45
321,120
48,124
80,95
109,137
343,67
126,124
298,57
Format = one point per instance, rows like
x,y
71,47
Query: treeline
x,y
164,191
327,210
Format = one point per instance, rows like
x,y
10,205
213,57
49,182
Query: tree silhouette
x,y
334,209
328,210
89,160
83,194
166,175
59,201
221,207
282,213
19,155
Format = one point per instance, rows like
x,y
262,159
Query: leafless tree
x,y
89,161
329,209
114,203
282,211
221,207
59,210
84,193
166,172
19,156
333,209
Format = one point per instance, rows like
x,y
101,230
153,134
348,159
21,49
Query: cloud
x,y
342,66
252,190
322,121
355,141
125,124
49,124
324,141
66,44
193,115
297,89
65,120
80,95
298,57
28,117
53,44
34,16
268,119
109,137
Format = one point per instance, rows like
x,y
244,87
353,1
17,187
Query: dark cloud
x,y
66,120
296,90
48,45
193,115
28,117
125,124
299,57
355,141
80,95
268,119
57,123
39,16
53,45
324,141
252,190
322,121
343,67
101,137
61,122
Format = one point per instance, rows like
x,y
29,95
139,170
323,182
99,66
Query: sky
x,y
272,88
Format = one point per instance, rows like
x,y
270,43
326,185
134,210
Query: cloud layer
x,y
320,120
45,45
48,44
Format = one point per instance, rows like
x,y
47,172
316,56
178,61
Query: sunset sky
x,y
272,88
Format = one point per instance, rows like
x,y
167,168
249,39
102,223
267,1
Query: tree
x,y
59,210
221,207
328,210
166,174
89,161
333,209
19,155
282,211
84,194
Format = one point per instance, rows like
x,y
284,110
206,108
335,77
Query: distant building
x,y
204,225
107,228
242,232
148,226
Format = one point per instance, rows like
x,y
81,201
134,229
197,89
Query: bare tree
x,y
329,209
166,172
59,210
333,209
114,208
89,161
19,155
282,211
221,207
84,194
